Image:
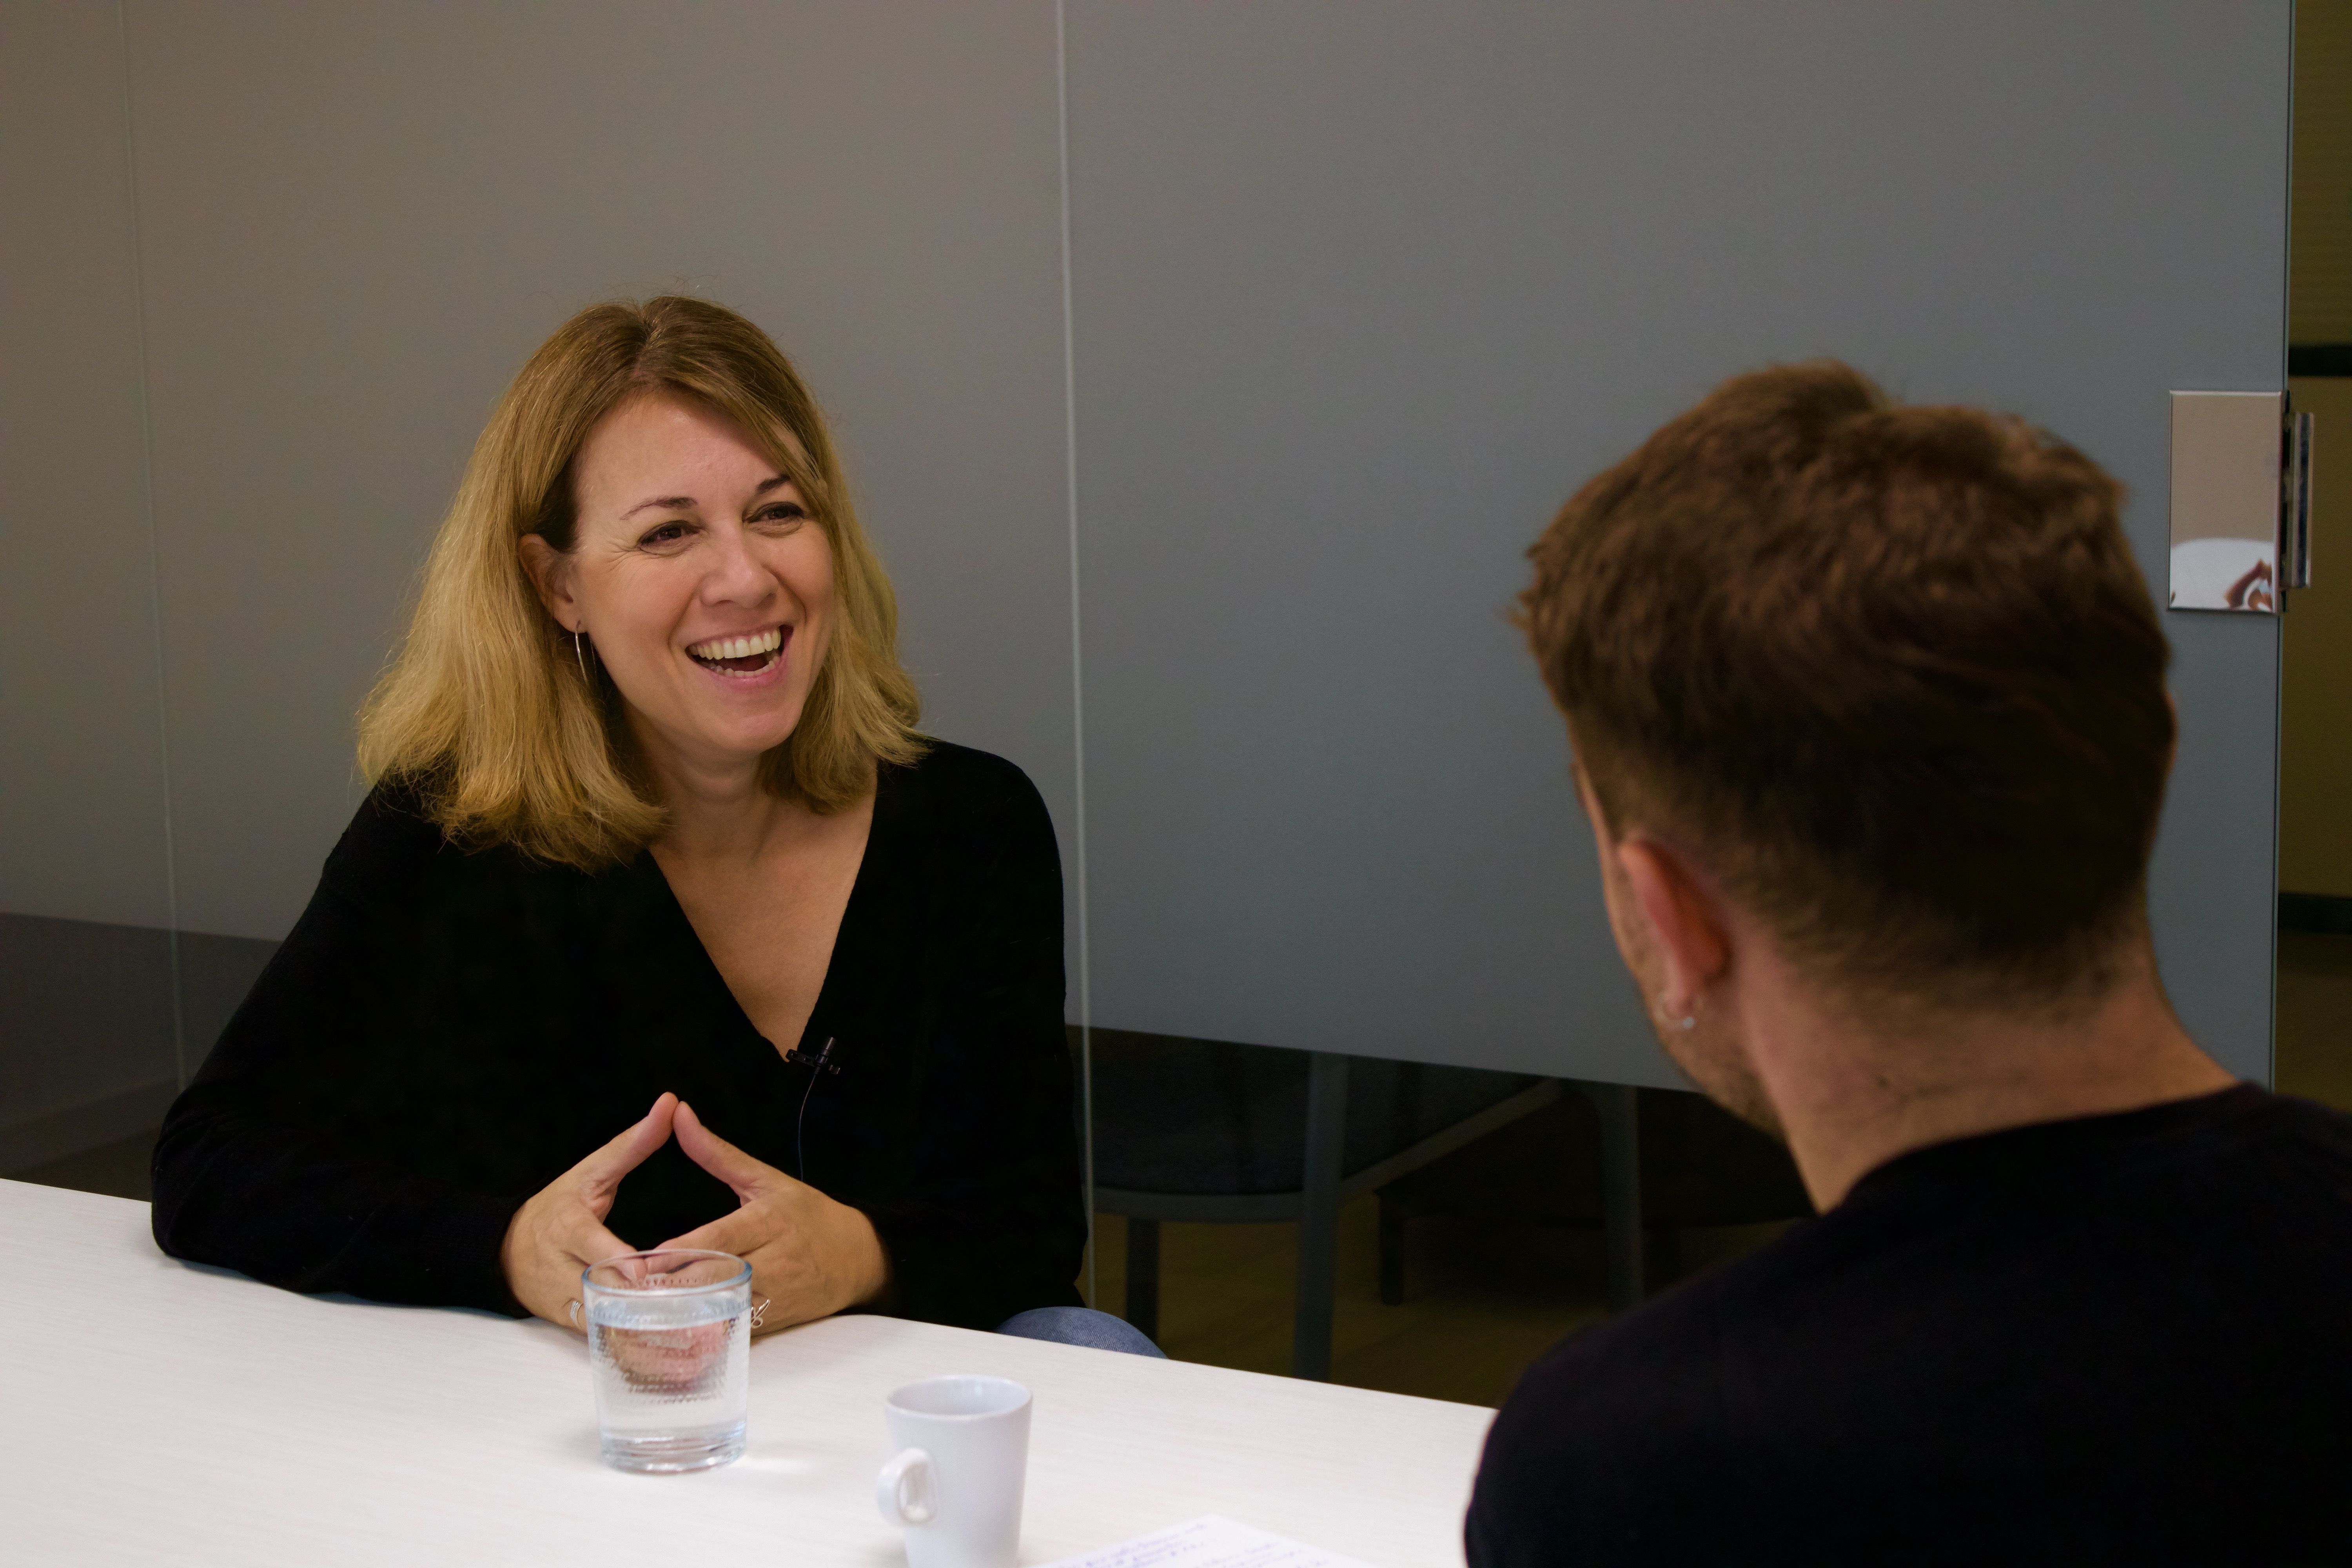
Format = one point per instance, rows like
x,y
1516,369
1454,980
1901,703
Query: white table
x,y
151,1411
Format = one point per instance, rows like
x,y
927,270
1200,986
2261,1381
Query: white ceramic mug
x,y
956,1480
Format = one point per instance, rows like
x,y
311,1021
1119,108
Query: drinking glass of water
x,y
669,1347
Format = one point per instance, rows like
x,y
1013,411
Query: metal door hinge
x,y
2294,501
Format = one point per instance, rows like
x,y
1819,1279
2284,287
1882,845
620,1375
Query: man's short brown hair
x,y
1891,671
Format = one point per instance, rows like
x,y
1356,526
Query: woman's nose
x,y
736,574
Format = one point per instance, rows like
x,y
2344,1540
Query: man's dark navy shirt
x,y
2121,1339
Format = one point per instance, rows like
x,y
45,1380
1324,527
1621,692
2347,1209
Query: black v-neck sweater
x,y
445,1032
2119,1339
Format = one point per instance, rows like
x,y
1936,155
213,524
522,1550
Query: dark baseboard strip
x,y
86,1011
2314,914
2319,359
53,1135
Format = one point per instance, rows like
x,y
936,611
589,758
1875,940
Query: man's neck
x,y
1853,1092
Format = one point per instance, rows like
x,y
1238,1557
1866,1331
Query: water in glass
x,y
670,1346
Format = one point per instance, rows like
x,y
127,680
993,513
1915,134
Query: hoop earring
x,y
583,658
1687,1021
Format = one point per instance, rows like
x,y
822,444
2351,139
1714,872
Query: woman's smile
x,y
746,656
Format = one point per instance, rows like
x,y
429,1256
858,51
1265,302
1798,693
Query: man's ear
x,y
1688,930
550,573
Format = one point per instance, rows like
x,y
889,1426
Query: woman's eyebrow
x,y
688,503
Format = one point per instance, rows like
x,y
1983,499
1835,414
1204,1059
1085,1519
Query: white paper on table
x,y
1210,1542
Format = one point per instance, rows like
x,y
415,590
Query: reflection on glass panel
x,y
2225,500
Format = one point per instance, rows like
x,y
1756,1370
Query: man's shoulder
x,y
2242,1174
1618,1443
1660,1371
2295,1133
1962,1324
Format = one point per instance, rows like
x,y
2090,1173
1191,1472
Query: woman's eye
x,y
667,533
782,511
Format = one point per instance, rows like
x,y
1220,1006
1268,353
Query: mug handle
x,y
890,1488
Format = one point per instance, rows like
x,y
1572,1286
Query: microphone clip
x,y
822,1062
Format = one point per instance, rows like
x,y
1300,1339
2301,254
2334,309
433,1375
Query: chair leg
x,y
1318,1215
1143,1276
1619,1105
1391,1251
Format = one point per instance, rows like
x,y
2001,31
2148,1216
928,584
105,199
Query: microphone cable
x,y
820,1065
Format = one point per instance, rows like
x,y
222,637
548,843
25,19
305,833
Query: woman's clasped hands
x,y
809,1256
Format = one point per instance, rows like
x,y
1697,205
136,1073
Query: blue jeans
x,y
1080,1326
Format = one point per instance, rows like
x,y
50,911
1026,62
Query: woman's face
x,y
702,581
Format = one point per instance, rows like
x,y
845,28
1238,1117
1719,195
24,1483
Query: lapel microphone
x,y
820,1062
818,1065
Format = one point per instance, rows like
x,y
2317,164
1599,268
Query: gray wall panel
x,y
81,780
2214,889
360,219
86,1050
1363,294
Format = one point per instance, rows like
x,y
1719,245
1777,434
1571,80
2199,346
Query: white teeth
x,y
739,647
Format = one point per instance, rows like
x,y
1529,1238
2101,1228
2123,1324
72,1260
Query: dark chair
x,y
1210,1131
1699,1168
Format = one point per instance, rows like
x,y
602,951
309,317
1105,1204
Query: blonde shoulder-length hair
x,y
486,714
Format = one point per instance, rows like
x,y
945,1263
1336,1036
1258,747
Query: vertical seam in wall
x,y
2278,642
1078,653
154,551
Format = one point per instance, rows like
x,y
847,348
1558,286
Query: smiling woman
x,y
651,824
512,737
